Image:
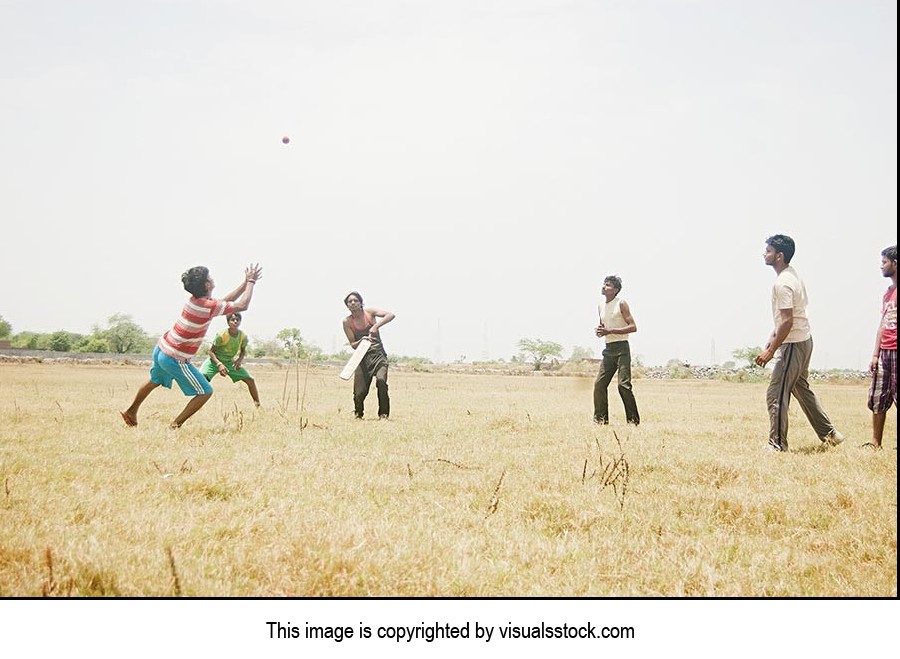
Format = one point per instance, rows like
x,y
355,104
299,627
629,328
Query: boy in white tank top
x,y
616,323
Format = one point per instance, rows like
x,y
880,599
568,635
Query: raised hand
x,y
252,272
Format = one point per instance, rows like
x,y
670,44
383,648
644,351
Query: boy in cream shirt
x,y
792,344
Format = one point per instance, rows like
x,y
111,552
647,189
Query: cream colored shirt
x,y
790,293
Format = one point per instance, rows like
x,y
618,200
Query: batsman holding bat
x,y
365,324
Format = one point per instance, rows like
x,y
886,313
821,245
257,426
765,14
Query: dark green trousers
x,y
374,365
616,359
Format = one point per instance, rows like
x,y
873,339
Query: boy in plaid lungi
x,y
883,366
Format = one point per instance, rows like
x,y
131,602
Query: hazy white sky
x,y
476,167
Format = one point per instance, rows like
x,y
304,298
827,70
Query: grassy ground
x,y
476,486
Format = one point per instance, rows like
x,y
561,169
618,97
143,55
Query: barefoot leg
x,y
130,415
254,393
192,406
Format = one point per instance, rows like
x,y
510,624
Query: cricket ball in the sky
x,y
285,139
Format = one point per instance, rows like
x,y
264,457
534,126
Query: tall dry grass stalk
x,y
176,582
476,486
303,398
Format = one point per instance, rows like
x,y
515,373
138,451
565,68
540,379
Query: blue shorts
x,y
166,368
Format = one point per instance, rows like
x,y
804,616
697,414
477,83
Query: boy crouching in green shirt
x,y
226,345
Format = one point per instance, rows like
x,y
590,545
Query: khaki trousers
x,y
791,377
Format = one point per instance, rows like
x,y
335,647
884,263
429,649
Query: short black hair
x,y
195,279
783,244
236,314
615,281
890,253
353,294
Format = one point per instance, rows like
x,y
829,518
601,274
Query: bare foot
x,y
129,420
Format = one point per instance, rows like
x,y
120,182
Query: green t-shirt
x,y
227,347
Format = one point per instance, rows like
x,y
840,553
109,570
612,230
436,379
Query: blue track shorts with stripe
x,y
166,368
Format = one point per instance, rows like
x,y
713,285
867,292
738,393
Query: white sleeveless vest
x,y
612,318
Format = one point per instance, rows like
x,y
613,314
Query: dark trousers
x,y
616,358
374,365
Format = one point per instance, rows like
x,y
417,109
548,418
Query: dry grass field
x,y
477,486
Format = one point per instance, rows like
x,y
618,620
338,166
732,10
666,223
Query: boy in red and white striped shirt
x,y
173,352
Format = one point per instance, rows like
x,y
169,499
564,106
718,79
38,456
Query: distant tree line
x,y
121,335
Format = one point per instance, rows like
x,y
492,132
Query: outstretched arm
x,y
252,274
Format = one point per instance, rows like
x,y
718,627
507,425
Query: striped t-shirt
x,y
185,337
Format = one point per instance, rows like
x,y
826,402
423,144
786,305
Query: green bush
x,y
92,344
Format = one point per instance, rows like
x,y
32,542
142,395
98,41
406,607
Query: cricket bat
x,y
355,358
